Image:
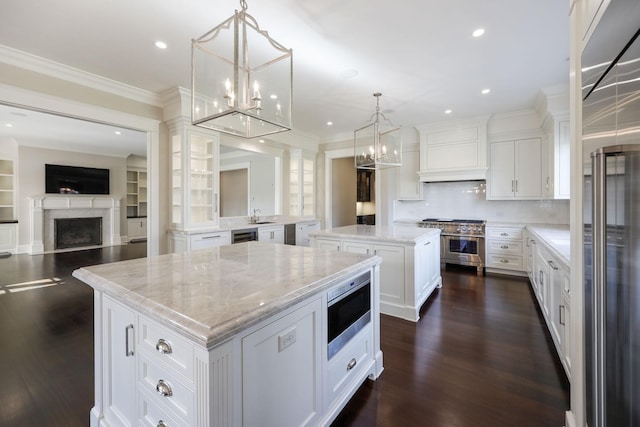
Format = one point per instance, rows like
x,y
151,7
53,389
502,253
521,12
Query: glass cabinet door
x,y
302,184
201,181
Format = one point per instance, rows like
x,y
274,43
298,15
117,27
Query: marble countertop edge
x,y
214,335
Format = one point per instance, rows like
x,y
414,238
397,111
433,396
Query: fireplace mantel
x,y
44,209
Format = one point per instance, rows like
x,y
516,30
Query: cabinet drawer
x,y
151,413
504,247
504,233
181,399
209,240
167,346
342,370
508,262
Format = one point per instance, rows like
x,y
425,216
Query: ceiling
x,y
419,53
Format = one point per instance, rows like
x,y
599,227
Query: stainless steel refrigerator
x,y
611,135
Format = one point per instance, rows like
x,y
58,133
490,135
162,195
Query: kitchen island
x,y
410,270
229,336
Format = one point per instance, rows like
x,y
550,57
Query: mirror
x,y
250,178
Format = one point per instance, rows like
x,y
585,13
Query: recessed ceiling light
x,y
329,123
118,132
274,96
161,45
261,141
9,125
486,91
478,32
447,111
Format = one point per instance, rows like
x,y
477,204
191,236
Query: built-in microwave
x,y
348,311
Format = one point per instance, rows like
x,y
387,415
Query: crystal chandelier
x,y
241,79
377,145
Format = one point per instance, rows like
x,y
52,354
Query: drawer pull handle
x,y
161,424
212,237
504,234
163,346
164,388
504,247
352,363
552,265
504,261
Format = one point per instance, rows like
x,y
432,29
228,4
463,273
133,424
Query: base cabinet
x,y
505,248
274,373
550,280
302,232
136,228
182,242
272,234
408,274
8,237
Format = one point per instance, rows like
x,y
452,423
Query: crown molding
x,y
60,71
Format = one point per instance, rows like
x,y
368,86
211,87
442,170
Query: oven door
x,y
463,250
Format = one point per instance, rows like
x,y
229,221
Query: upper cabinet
x,y
558,158
515,170
194,180
409,185
302,184
453,151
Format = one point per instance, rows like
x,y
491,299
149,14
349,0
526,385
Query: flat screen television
x,y
60,179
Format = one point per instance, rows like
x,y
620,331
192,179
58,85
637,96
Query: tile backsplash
x,y
466,199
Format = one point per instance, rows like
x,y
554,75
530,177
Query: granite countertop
x,y
556,238
210,295
403,234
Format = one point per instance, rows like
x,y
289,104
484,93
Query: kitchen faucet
x,y
255,217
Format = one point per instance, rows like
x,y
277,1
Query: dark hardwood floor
x,y
479,356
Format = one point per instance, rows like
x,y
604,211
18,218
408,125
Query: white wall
x,y
466,200
30,180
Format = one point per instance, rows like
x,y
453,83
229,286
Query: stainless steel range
x,y
462,241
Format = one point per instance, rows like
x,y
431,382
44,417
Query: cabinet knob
x,y
504,261
164,388
161,424
352,363
164,346
504,247
504,234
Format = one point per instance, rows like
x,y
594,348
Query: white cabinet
x,y
183,242
515,170
550,280
136,228
8,237
301,183
453,151
409,185
195,177
302,232
117,347
505,248
272,234
281,367
408,273
557,182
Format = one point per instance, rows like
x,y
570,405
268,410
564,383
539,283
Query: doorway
x,y
343,197
234,192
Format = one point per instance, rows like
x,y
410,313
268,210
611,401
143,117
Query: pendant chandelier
x,y
378,145
241,79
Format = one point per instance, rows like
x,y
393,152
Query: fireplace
x,y
46,210
77,232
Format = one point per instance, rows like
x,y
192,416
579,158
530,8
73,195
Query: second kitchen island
x,y
251,334
410,269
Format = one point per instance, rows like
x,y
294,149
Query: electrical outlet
x,y
286,339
